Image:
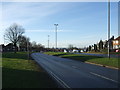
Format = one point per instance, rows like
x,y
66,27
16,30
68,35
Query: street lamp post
x,y
108,28
27,48
56,34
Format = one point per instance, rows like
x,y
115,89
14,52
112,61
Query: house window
x,y
116,42
116,47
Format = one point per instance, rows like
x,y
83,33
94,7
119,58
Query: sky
x,y
79,23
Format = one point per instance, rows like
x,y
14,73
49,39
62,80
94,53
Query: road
x,y
101,55
75,74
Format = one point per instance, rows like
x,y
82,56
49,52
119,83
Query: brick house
x,y
116,43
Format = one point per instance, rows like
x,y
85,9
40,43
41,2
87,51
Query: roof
x,y
118,38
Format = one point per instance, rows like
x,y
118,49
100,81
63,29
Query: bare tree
x,y
37,47
23,43
13,33
40,47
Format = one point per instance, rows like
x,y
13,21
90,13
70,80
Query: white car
x,y
65,51
75,51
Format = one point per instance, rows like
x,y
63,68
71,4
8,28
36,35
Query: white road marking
x,y
64,84
104,77
74,67
59,80
53,75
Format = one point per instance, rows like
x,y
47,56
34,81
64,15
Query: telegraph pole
x,y
108,28
56,34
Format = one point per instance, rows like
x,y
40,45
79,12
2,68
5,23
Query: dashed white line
x,y
104,77
100,76
75,67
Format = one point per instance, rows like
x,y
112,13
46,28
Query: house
x,y
105,43
9,47
116,43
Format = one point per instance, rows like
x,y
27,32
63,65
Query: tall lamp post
x,y
27,48
108,28
56,34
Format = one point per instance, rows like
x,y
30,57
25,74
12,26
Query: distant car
x,y
117,50
65,51
81,51
75,51
41,51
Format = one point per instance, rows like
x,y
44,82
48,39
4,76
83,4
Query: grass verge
x,y
57,53
18,72
114,53
113,62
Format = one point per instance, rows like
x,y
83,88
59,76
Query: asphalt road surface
x,y
101,55
75,74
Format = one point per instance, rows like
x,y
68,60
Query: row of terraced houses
x,y
102,45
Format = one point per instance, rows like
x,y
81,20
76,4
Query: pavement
x,y
75,74
101,55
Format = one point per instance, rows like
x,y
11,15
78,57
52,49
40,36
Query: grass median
x,y
114,53
113,62
19,72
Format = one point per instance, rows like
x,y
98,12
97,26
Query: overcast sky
x,y
80,24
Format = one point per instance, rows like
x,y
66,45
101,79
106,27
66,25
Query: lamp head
x,y
56,24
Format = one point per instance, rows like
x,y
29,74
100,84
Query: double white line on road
x,y
61,82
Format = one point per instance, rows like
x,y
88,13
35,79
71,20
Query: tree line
x,y
101,46
19,42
